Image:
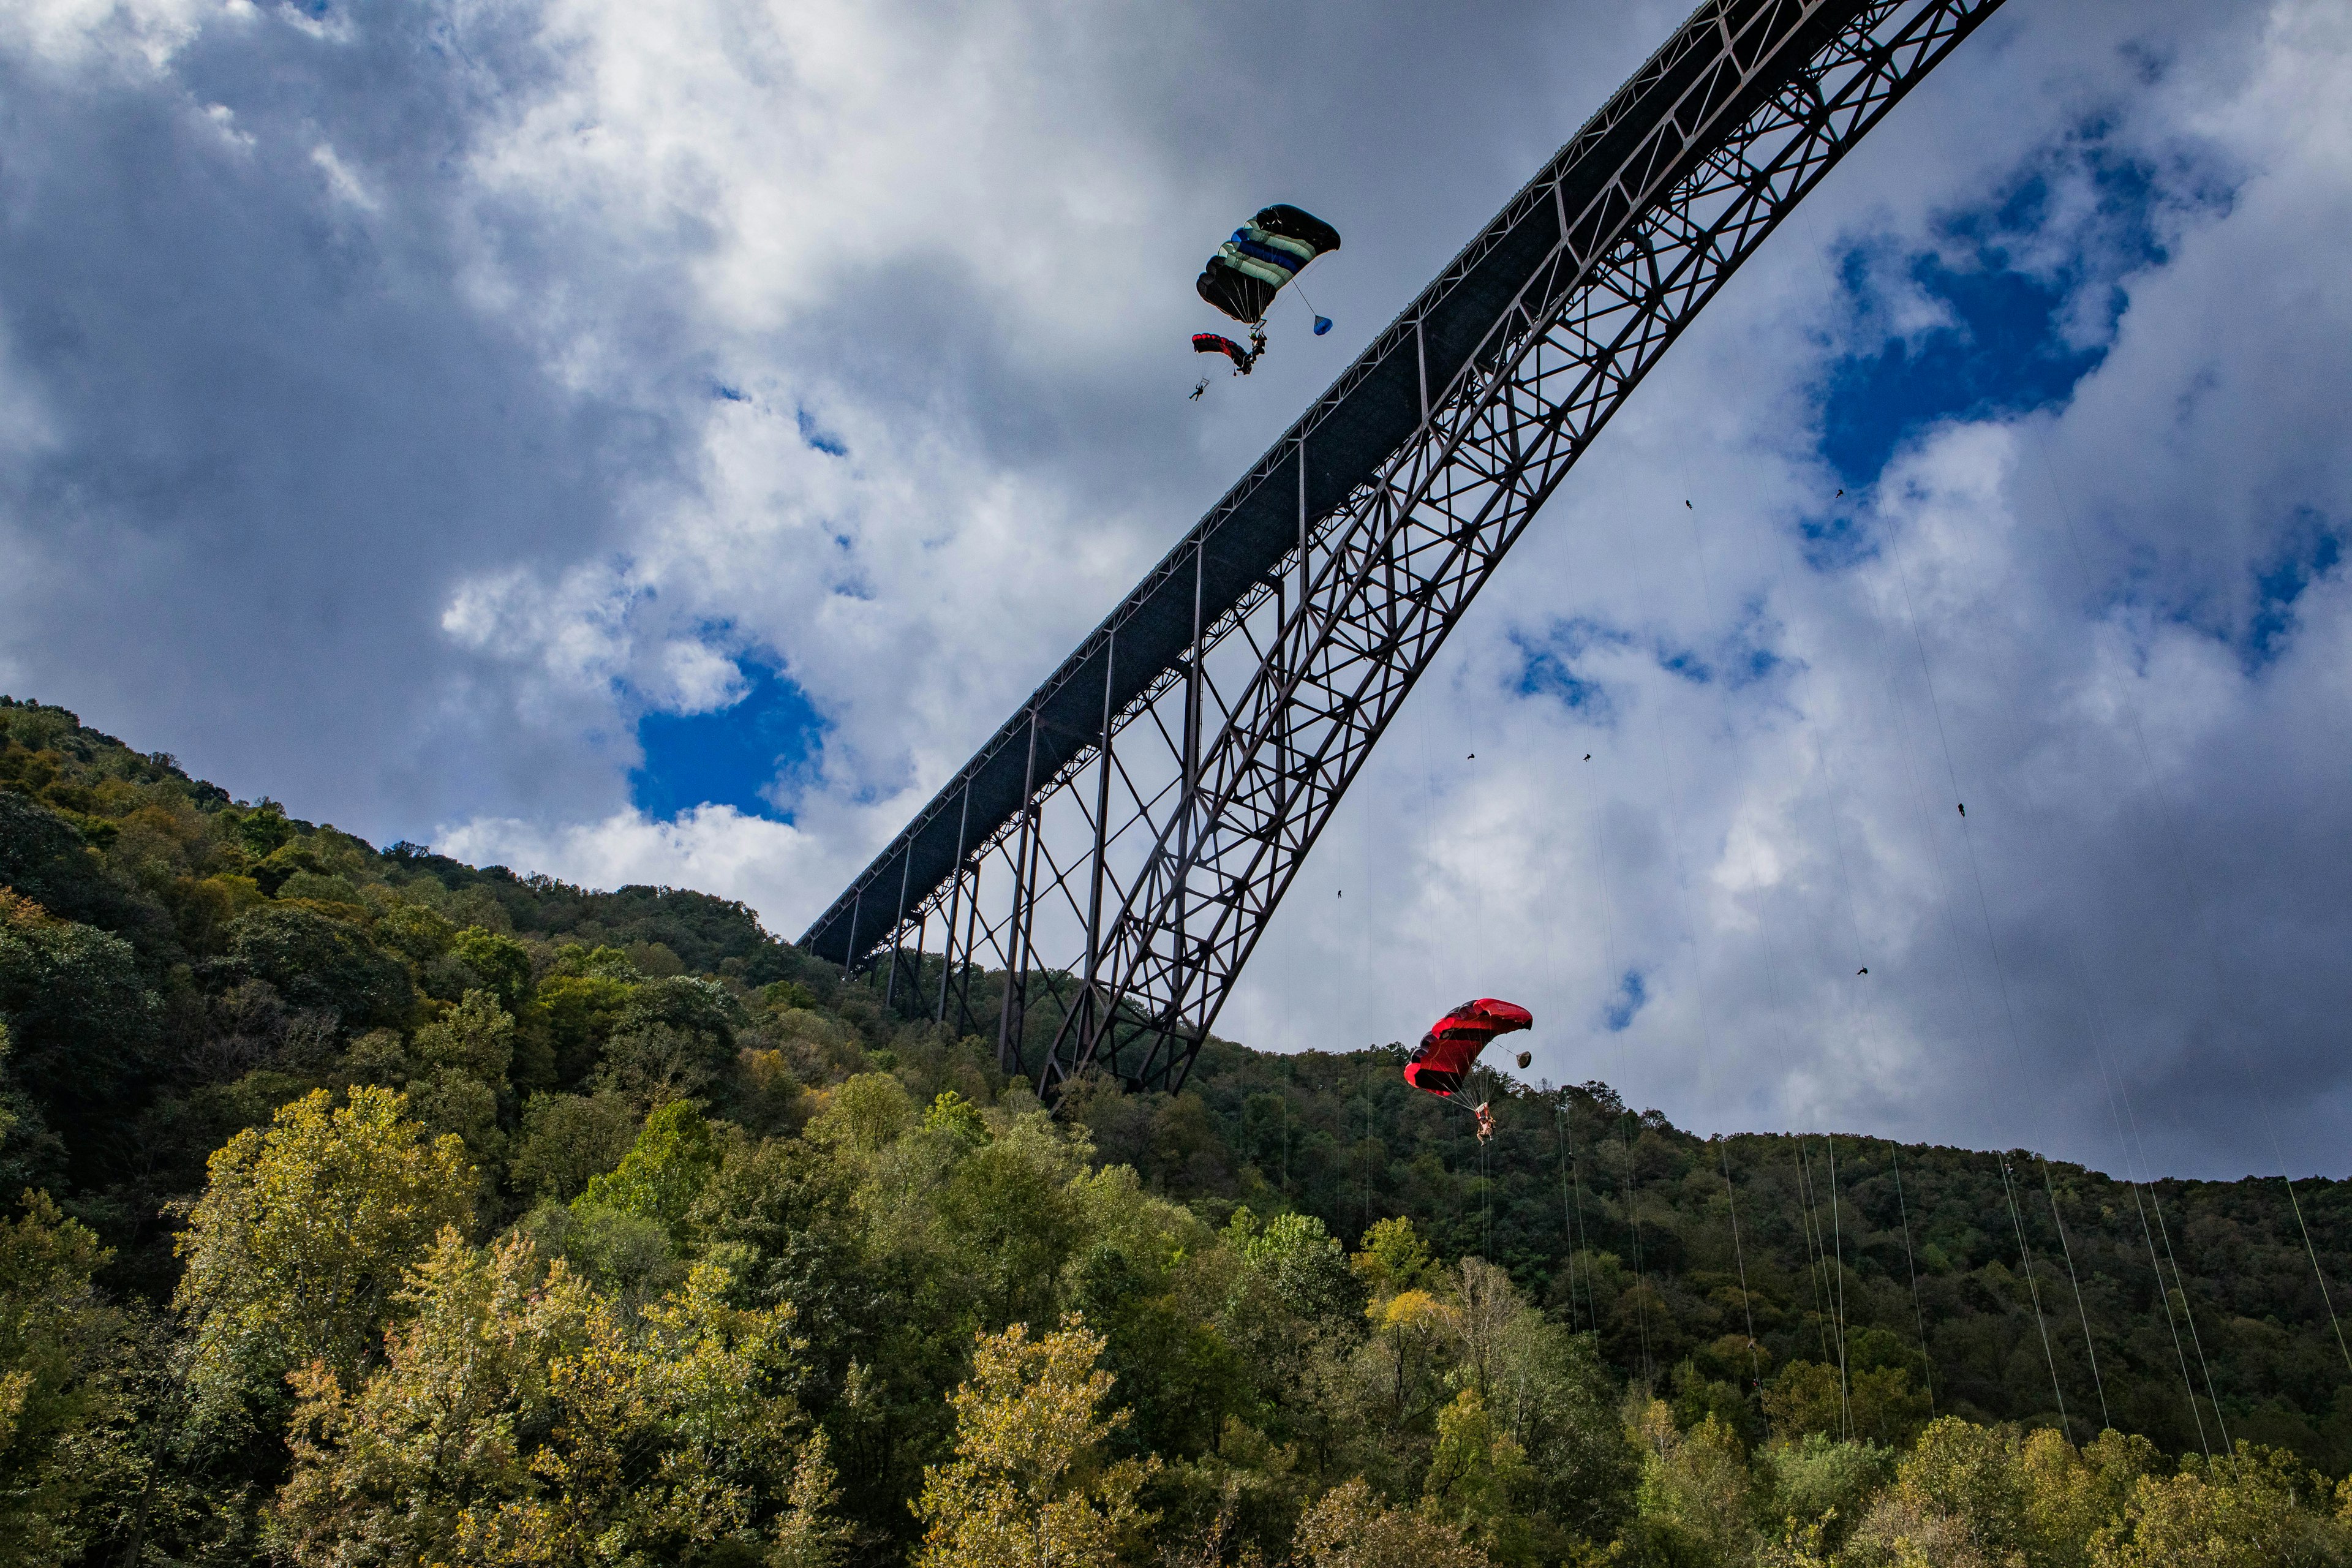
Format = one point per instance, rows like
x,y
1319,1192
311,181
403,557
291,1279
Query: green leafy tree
x,y
566,1140
2255,1508
501,962
1010,1216
663,1172
296,1250
867,1113
1030,1485
1695,1506
475,1037
519,1418
317,960
1352,1528
82,1023
1479,1481
61,1395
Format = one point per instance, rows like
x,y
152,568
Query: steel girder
x,y
1140,818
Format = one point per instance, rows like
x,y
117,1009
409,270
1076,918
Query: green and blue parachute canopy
x,y
1249,269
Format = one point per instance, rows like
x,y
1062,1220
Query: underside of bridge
x,y
1116,848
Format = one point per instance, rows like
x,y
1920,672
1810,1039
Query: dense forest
x,y
367,1207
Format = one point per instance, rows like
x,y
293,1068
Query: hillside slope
x,y
641,1085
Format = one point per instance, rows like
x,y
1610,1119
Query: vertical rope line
x,y
1707,1033
1810,1220
2135,1168
1630,1194
1837,1235
1559,1125
2066,1250
1486,1186
2209,948
1927,1361
1575,1183
1731,1197
2187,1311
1626,1191
2196,903
2000,975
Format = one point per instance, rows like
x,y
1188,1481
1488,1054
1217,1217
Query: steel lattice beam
x,y
1140,816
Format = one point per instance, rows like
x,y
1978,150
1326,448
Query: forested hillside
x,y
379,1209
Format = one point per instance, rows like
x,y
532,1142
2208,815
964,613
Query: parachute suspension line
x,y
2008,1187
1837,1280
2196,902
1739,1259
1927,1361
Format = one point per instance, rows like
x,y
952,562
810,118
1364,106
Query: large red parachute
x,y
1447,1054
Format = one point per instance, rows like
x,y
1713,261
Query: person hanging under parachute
x,y
1247,273
1441,1064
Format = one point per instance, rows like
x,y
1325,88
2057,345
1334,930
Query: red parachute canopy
x,y
1447,1054
1217,344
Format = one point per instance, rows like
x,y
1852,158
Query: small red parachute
x,y
1218,343
1450,1049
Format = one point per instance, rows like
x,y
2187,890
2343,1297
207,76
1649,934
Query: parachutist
x,y
1687,507
1964,809
1841,492
1588,756
1249,269
1447,1054
1202,388
1863,970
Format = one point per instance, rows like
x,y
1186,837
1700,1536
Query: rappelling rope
x,y
2001,974
1837,1237
1901,1208
2135,1150
1632,1216
2209,946
1710,1086
1810,1218
1748,1311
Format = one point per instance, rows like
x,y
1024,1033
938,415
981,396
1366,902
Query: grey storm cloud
x,y
396,404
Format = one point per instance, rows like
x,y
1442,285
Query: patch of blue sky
x,y
817,436
2028,311
1548,668
733,756
1633,993
2310,551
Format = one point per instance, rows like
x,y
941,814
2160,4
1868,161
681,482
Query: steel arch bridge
x,y
1117,847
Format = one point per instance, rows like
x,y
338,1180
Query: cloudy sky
x,y
659,443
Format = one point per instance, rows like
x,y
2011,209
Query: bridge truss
x,y
1117,846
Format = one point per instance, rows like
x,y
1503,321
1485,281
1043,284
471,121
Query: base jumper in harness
x,y
1441,1064
1250,270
